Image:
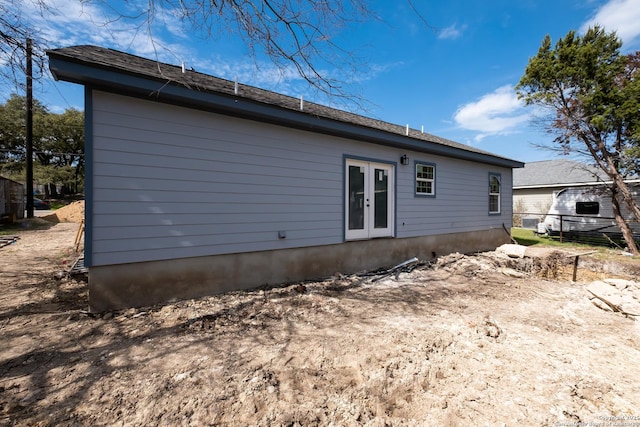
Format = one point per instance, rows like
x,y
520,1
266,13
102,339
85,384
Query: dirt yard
x,y
480,340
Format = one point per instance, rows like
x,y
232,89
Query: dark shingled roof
x,y
166,74
556,172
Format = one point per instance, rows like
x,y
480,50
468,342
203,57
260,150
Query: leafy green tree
x,y
63,148
591,93
13,125
58,143
631,154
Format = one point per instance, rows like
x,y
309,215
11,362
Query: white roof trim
x,y
578,184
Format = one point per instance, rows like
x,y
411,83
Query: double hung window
x,y
425,179
494,193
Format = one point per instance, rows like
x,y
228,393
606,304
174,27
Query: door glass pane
x,y
356,198
381,188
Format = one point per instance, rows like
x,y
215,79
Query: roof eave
x,y
577,184
118,81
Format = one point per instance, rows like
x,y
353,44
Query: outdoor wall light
x,y
404,160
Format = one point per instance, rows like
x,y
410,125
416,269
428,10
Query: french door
x,y
369,199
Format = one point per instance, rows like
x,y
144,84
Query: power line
x,y
51,153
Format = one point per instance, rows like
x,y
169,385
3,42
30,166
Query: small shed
x,y
197,185
11,200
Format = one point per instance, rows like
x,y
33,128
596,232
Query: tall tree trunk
x,y
608,164
53,190
75,181
624,226
627,196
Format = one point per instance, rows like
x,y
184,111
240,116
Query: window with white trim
x,y
494,193
425,179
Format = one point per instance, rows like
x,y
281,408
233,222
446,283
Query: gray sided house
x,y
536,185
197,185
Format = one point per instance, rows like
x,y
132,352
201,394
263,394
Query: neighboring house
x,y
197,185
535,185
11,200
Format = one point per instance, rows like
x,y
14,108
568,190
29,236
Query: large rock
x,y
616,295
512,251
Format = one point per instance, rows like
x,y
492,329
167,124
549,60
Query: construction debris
x,y
512,251
79,236
405,266
509,260
78,267
450,343
616,295
7,240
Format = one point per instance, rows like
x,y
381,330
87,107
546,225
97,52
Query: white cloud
x,y
622,16
451,32
496,113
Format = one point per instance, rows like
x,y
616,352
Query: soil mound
x,y
73,212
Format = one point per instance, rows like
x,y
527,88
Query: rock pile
x,y
617,295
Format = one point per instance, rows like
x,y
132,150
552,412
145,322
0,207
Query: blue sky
x,y
454,78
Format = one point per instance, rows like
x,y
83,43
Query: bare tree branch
x,y
299,37
14,31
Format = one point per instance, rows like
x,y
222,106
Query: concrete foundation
x,y
113,287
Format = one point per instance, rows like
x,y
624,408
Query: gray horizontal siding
x,y
533,201
178,248
203,180
203,238
239,196
167,219
461,202
170,182
213,208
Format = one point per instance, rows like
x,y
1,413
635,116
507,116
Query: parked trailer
x,y
587,211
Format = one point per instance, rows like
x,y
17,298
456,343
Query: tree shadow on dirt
x,y
84,354
48,296
27,224
39,398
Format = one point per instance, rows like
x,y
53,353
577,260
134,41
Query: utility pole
x,y
29,131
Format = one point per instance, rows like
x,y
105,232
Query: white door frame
x,y
365,216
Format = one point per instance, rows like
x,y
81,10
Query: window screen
x,y
587,208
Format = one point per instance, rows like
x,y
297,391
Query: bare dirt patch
x,y
471,340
